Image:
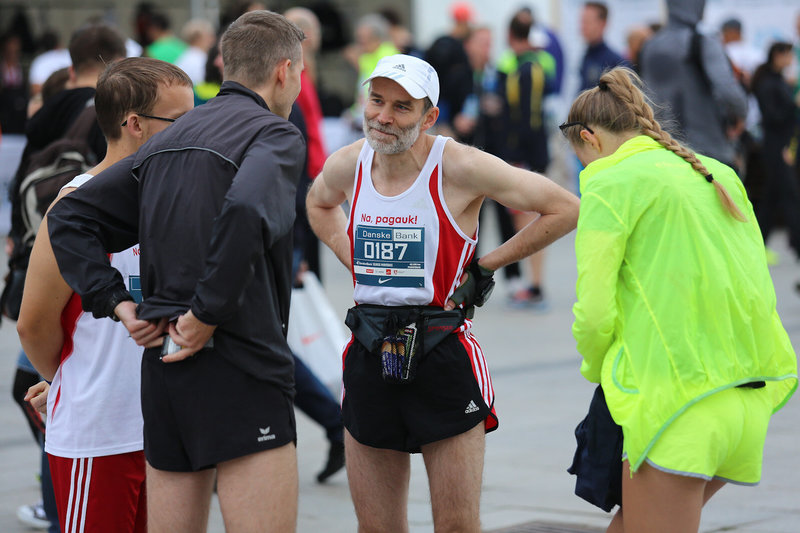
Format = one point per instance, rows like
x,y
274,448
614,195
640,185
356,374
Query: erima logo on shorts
x,y
265,434
471,408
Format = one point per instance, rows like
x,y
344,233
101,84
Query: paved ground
x,y
540,398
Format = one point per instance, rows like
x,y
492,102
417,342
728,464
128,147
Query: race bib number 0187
x,y
389,256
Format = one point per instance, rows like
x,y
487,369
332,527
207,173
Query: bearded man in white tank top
x,y
415,378
94,416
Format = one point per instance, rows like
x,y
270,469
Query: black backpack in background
x,y
47,172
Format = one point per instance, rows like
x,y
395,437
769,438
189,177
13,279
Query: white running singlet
x,y
405,249
94,407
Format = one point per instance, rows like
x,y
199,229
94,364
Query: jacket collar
x,y
232,87
638,144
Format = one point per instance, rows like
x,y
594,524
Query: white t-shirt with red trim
x,y
94,408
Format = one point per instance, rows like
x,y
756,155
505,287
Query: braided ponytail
x,y
618,105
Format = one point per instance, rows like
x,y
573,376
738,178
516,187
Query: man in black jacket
x,y
211,202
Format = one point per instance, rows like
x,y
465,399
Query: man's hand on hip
x,y
143,332
190,334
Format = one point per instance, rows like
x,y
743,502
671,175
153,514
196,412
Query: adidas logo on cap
x,y
400,67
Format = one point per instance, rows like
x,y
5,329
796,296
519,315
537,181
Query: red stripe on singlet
x,y
351,225
449,261
69,321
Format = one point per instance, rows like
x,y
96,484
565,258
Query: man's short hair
x,y
95,46
732,25
131,85
602,9
520,25
256,43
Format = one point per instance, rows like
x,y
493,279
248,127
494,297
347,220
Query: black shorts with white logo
x,y
203,410
444,400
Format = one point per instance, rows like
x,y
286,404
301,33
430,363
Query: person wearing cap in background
x,y
415,378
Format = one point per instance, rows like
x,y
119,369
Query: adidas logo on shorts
x,y
471,408
400,67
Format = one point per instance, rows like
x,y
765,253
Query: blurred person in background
x,y
400,35
779,123
164,45
525,79
13,85
744,57
448,57
371,44
309,104
637,36
208,89
690,76
199,35
481,124
235,9
54,57
598,55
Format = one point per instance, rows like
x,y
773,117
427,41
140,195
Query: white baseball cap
x,y
414,75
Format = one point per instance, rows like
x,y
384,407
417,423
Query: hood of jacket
x,y
688,12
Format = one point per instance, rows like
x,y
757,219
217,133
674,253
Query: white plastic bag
x,y
317,335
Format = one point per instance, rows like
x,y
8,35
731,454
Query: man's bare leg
x,y
378,485
178,502
258,492
455,471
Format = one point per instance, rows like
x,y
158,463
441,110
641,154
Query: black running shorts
x,y
203,410
444,399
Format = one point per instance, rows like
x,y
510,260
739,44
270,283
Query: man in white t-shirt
x,y
94,420
43,65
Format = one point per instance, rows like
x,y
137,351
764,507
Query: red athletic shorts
x,y
100,494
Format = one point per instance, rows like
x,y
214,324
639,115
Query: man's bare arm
x,y
324,201
45,296
44,299
481,174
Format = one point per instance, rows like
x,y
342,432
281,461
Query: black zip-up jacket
x,y
211,202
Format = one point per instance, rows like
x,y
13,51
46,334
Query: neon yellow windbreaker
x,y
675,301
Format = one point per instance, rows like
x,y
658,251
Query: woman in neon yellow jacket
x,y
675,316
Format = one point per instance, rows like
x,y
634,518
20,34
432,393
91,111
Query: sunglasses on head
x,y
563,127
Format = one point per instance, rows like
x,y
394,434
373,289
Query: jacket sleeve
x,y
257,211
726,91
100,217
600,244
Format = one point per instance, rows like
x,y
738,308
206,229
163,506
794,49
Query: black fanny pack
x,y
401,335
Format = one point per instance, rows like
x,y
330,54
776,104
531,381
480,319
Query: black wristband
x,y
116,298
484,282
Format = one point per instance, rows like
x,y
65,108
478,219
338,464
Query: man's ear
x,y
133,125
430,118
282,71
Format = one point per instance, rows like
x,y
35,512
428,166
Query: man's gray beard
x,y
405,137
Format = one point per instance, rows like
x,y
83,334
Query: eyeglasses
x,y
165,119
566,125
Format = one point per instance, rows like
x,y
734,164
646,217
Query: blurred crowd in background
x,y
506,102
